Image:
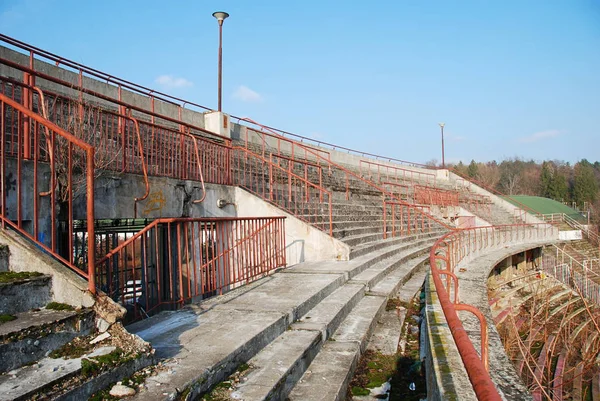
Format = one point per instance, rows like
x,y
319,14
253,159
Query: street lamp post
x,y
220,16
443,160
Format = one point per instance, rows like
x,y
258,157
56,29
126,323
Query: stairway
x,y
44,344
282,333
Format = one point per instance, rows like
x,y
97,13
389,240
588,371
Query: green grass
x,y
5,318
543,205
59,306
11,277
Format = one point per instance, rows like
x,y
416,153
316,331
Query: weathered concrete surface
x,y
276,369
304,243
473,290
4,257
205,346
409,279
359,324
447,378
329,374
24,295
102,381
33,334
329,313
24,382
67,286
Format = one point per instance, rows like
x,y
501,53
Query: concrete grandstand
x,y
173,248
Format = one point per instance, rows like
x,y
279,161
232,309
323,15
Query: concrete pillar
x,y
218,123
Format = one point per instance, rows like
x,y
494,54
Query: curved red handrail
x,y
481,381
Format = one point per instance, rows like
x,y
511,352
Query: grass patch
x,y
59,306
402,369
360,391
11,277
93,366
5,318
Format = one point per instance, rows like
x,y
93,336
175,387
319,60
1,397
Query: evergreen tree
x,y
585,187
472,170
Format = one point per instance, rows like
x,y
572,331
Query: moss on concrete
x,y
59,306
5,318
12,277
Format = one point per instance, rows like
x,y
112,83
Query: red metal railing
x,y
174,261
34,191
178,153
445,256
81,69
335,171
331,146
401,219
478,204
434,196
300,197
387,173
400,191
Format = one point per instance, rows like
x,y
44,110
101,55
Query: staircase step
x,y
328,375
403,277
24,294
278,366
26,381
374,275
34,333
379,245
327,315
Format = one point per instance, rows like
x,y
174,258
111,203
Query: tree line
x,y
574,184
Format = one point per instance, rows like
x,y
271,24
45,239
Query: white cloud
x,y
245,94
456,138
171,82
538,136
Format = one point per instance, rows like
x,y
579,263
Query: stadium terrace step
x,y
277,325
34,333
364,249
23,294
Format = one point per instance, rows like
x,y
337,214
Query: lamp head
x,y
442,125
220,16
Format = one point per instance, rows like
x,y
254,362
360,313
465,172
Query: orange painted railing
x,y
401,219
30,200
425,195
174,261
321,144
297,195
445,255
349,177
179,153
388,173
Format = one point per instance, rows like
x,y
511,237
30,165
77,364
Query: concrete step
x,y
35,333
275,370
23,383
364,249
205,345
330,372
375,274
404,278
22,295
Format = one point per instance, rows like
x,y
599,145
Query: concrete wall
x,y
573,235
67,286
304,243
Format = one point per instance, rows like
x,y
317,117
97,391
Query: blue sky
x,y
509,78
